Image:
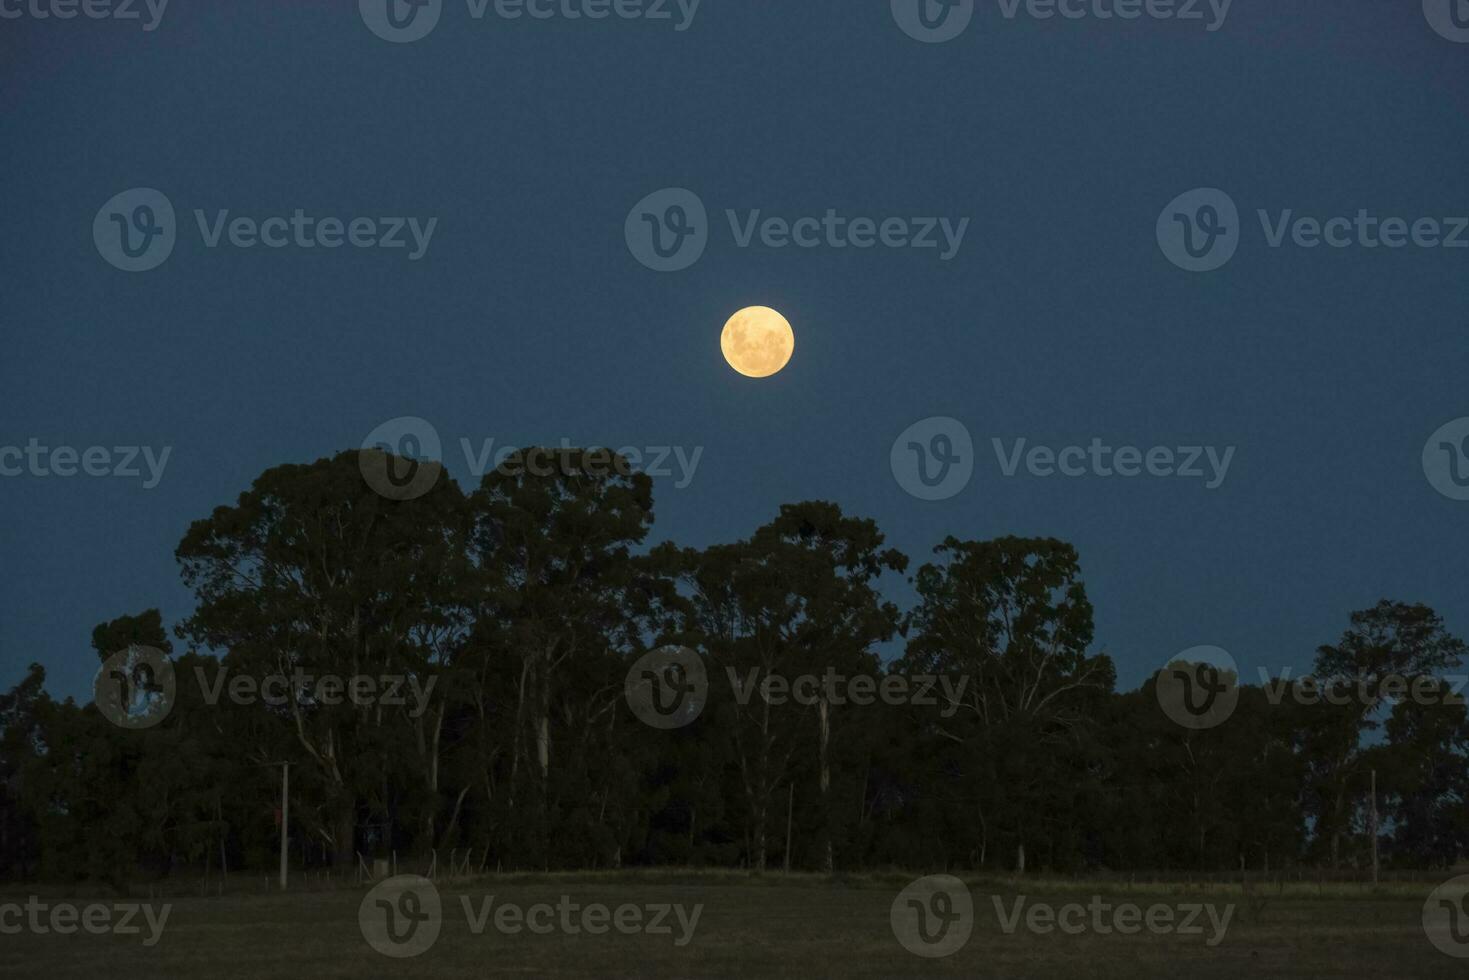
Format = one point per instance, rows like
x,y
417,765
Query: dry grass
x,y
802,926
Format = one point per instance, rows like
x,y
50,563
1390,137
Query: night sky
x,y
528,320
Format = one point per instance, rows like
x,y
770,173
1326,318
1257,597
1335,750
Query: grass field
x,y
802,926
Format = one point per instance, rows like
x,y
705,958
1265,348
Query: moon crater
x,y
757,342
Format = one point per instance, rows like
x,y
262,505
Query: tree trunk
x,y
345,832
758,833
543,721
824,727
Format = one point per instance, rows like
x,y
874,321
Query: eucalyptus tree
x,y
831,564
1383,654
559,602
783,616
1423,773
349,595
1010,616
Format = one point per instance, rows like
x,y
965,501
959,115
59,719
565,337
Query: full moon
x,y
757,341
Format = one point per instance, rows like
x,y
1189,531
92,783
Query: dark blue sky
x,y
528,320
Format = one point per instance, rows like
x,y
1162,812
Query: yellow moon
x,y
757,342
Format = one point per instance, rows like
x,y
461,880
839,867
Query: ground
x,y
801,926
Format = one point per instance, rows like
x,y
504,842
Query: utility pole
x,y
1374,828
285,816
790,809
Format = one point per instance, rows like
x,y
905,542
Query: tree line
x,y
509,617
